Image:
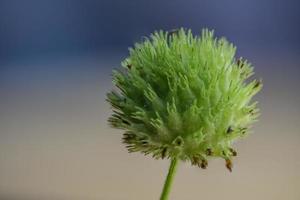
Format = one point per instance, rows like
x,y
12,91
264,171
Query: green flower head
x,y
184,96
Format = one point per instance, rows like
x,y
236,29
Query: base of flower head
x,y
176,149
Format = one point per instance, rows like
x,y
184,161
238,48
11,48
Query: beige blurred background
x,y
55,143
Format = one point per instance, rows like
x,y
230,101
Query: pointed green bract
x,y
185,96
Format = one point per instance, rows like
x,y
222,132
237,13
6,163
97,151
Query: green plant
x,y
183,97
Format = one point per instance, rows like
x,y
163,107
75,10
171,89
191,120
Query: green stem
x,y
168,182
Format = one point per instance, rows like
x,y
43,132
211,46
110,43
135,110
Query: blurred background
x,y
56,58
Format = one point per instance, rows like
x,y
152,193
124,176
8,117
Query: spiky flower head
x,y
184,96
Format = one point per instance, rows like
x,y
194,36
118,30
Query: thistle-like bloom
x,y
184,96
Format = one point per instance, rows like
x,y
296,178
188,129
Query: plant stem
x,y
168,182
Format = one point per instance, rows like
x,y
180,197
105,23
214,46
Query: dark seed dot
x,y
251,111
240,63
243,130
203,164
125,122
233,152
257,84
229,165
195,160
164,152
208,152
229,130
178,141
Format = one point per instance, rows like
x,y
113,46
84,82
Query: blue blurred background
x,y
56,58
35,28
